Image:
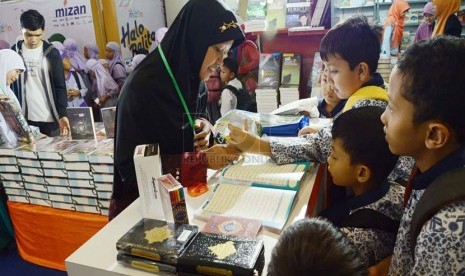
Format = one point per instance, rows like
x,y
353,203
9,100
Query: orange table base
x,y
47,236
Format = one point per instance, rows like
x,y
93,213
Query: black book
x,y
156,240
145,264
213,254
108,118
81,122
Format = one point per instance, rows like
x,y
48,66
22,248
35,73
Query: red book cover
x,y
233,226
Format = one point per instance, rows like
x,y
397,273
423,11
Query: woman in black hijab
x,y
149,109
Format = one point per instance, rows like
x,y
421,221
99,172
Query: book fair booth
x,y
59,188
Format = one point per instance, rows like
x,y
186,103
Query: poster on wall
x,y
70,18
137,23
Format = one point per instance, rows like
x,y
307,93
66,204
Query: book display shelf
x,y
305,42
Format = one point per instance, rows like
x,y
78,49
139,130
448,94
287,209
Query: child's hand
x,y
219,156
307,130
240,138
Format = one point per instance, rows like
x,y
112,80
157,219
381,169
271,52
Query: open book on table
x,y
256,188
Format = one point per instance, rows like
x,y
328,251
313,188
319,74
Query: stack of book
x,y
80,176
154,245
385,65
268,82
256,16
290,78
101,163
56,172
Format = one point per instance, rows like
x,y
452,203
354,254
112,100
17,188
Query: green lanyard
x,y
176,86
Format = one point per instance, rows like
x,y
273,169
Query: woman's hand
x,y
203,132
219,156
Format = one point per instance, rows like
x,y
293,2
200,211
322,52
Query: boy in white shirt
x,y
228,76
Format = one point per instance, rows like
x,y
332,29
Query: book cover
x,y
15,120
81,121
212,254
256,10
232,226
298,13
108,118
276,15
80,151
173,200
156,240
290,75
56,149
308,105
145,264
269,69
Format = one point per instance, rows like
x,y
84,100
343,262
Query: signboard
x,y
137,23
71,18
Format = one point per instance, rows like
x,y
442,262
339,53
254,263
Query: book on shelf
x,y
103,154
81,121
276,15
298,13
321,14
269,69
256,188
233,226
15,121
156,240
227,255
290,74
256,9
108,118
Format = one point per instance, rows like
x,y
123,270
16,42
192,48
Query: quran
x,y
256,188
156,240
212,254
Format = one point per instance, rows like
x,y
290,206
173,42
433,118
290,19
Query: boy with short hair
x,y
423,121
233,95
361,161
351,52
41,89
228,75
313,246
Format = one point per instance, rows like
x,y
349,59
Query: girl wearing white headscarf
x,y
11,65
78,61
117,69
91,51
107,89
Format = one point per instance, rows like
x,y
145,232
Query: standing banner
x,y
137,23
70,18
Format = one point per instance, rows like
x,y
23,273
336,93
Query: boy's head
x,y
359,152
32,25
351,52
426,108
313,246
228,69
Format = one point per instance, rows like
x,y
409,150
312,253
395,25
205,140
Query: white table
x,y
98,255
